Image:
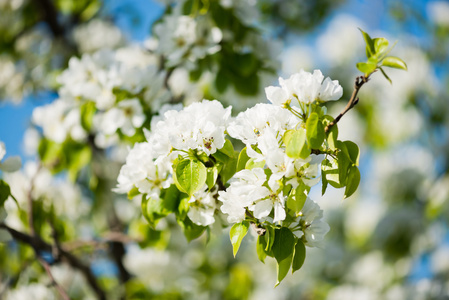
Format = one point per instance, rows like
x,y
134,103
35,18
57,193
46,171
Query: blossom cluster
x,y
199,127
262,189
113,88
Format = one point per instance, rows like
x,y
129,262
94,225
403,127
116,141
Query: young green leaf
x,y
394,62
353,152
227,149
283,246
190,229
269,236
260,248
299,257
228,169
296,146
133,193
343,164
380,45
242,160
190,176
352,181
297,198
212,174
251,164
330,171
237,233
5,191
87,113
385,75
370,51
366,68
315,131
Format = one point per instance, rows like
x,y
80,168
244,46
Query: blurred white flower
x,y
97,34
438,12
37,291
11,164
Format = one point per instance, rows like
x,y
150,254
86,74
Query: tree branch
x,y
59,288
359,82
51,17
40,246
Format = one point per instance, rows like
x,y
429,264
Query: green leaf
x,y
155,209
260,248
300,256
190,176
212,174
394,62
330,172
228,169
385,75
370,51
269,236
183,207
5,191
295,142
332,134
366,68
251,164
237,233
353,181
133,193
324,184
297,198
227,149
343,165
315,131
190,229
170,197
380,45
283,246
242,160
353,152
87,112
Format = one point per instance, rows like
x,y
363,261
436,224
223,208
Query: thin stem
x,y
59,288
359,82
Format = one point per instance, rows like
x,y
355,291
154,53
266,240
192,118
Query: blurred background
x,y
388,241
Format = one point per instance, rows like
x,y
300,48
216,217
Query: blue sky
x,y
135,19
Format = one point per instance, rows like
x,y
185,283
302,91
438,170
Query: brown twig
x,y
59,288
359,82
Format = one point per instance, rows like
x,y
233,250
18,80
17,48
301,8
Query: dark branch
x,y
50,15
41,246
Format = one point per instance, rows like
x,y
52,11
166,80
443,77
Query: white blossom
x,y
247,190
304,87
143,172
202,207
310,224
199,126
248,126
126,116
184,39
60,120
